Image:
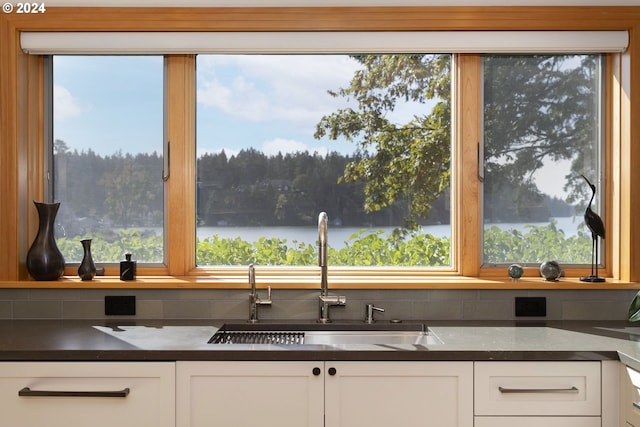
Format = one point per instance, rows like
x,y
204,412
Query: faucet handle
x,y
368,318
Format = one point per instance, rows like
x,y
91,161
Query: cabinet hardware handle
x,y
27,392
538,390
636,405
332,371
316,371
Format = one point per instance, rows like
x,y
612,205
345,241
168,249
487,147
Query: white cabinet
x,y
96,394
554,394
407,394
630,396
332,394
249,394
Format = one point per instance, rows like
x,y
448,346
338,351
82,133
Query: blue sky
x,y
271,103
108,103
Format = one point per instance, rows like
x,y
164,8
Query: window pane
x,y
108,139
542,131
365,138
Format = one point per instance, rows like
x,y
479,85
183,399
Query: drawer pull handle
x,y
538,390
27,392
636,405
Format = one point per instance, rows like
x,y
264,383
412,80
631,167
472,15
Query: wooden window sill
x,y
306,282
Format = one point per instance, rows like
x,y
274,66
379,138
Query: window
x,y
543,129
366,138
468,266
108,156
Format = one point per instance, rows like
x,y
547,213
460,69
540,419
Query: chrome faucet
x,y
254,299
370,309
325,299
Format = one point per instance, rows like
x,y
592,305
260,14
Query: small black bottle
x,y
127,268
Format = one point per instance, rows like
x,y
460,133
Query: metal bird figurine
x,y
596,226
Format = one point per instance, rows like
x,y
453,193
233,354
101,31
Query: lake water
x,y
339,235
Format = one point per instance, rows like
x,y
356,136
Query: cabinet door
x,y
403,394
249,394
630,398
96,394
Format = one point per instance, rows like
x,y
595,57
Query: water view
x,y
339,235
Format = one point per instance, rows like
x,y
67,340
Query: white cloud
x,y
281,145
240,98
65,105
283,87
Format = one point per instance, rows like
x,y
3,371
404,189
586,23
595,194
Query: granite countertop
x,y
171,340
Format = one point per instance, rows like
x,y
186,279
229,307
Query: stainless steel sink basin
x,y
325,334
370,337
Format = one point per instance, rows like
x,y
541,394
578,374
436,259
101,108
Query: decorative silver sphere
x,y
550,270
515,271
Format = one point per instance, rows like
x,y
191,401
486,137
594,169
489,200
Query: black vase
x,y
87,269
44,259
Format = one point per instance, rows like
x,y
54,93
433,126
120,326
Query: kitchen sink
x,y
325,334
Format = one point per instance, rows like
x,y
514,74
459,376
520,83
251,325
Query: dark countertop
x,y
172,340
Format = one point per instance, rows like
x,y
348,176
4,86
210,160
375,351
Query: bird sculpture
x,y
596,226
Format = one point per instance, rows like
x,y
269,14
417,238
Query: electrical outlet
x,y
120,305
531,306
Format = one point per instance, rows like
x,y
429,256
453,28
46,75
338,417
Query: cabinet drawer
x,y
537,388
631,395
96,394
537,421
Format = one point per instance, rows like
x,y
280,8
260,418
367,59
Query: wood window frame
x,y
22,123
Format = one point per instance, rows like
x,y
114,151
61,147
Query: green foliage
x,y
373,249
537,109
109,248
539,243
362,249
265,251
409,161
633,315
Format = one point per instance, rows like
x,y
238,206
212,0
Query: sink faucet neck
x,y
322,252
325,300
254,299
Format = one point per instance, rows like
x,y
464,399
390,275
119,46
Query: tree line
x,y
249,188
254,189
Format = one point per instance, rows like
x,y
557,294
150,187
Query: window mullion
x,y
467,124
180,93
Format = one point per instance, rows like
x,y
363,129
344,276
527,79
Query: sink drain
x,y
255,337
